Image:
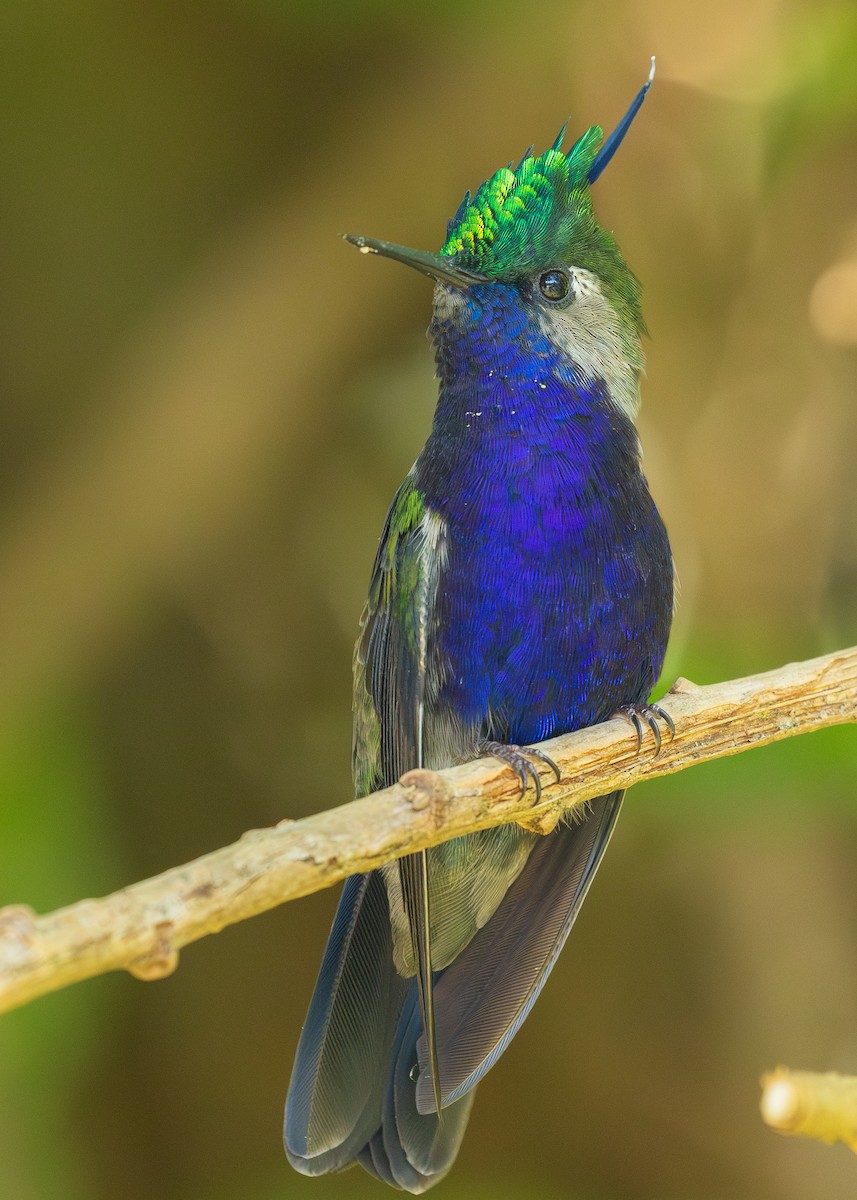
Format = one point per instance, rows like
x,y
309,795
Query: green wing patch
x,y
406,513
387,685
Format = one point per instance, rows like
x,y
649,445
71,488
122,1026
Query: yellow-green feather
x,y
395,581
540,215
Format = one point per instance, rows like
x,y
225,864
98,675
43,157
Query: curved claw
x,y
665,717
630,713
521,769
537,783
520,759
650,714
547,760
652,723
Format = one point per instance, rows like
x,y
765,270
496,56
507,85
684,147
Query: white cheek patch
x,y
588,331
448,302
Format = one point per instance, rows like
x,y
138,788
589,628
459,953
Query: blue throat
x,y
562,594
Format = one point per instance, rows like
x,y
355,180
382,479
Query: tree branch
x,y
810,1105
142,928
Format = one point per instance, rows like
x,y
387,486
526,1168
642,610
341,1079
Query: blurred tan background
x,y
207,403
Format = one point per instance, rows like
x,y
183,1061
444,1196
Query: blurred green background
x,y
208,401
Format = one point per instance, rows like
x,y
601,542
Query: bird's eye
x,y
554,285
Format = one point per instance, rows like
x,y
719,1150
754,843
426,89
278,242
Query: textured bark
x,y
142,928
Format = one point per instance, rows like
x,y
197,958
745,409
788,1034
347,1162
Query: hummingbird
x,y
522,588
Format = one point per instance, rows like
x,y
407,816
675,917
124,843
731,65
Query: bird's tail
x,y
362,1088
352,1096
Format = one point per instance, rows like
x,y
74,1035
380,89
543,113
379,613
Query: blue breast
x,y
556,597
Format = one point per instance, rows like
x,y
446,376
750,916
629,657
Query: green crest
x,y
540,215
529,217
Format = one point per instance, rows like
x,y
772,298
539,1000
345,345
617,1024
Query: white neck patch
x,y
588,331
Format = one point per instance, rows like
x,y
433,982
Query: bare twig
x,y
143,927
811,1105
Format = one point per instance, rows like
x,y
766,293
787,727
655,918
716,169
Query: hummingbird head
x,y
529,240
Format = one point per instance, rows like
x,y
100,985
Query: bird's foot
x,y
520,759
636,714
523,760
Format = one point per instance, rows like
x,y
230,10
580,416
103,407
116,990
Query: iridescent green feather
x,y
540,215
392,591
366,752
405,515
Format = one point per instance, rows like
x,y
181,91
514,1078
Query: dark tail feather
x,y
483,997
352,1095
413,1150
413,873
341,1067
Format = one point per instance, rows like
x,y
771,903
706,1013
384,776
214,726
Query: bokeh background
x,y
207,403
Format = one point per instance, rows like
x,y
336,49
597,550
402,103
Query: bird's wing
x,y
392,672
483,997
391,658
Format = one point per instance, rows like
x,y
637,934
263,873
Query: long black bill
x,y
436,265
